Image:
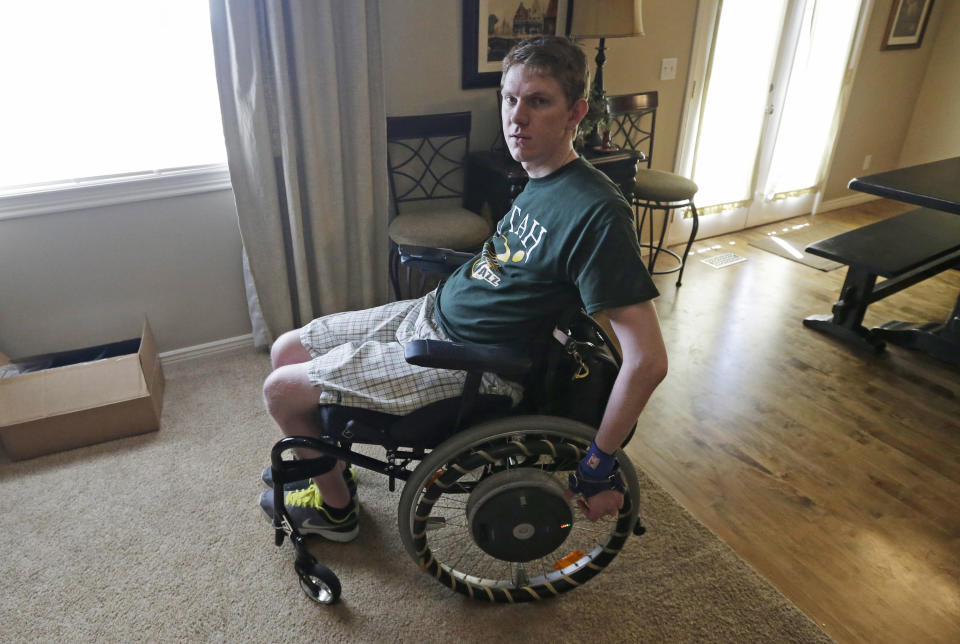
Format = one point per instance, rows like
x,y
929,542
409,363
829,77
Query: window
x,y
106,93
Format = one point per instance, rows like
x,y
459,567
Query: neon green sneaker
x,y
308,514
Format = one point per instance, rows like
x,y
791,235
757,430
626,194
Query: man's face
x,y
537,123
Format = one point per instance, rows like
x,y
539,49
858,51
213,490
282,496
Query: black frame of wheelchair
x,y
515,453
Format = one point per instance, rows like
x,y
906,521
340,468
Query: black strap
x,y
554,356
471,387
580,483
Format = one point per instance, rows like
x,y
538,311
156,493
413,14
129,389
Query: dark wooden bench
x,y
905,250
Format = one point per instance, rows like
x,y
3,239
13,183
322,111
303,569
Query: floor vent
x,y
723,260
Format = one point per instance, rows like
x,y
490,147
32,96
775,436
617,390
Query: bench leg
x,y
942,341
846,322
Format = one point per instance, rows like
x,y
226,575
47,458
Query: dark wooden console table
x,y
905,249
494,179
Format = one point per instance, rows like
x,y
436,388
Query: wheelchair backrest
x,y
574,374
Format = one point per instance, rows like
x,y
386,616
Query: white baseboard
x,y
845,202
227,345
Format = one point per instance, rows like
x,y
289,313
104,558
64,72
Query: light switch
x,y
668,69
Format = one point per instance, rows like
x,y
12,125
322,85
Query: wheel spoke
x,y
448,539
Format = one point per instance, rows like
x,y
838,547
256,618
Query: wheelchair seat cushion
x,y
425,427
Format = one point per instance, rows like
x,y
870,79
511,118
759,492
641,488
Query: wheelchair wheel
x,y
319,583
485,514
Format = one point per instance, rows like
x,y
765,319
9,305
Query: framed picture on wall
x,y
907,22
491,27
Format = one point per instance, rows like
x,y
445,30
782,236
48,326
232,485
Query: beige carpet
x,y
158,538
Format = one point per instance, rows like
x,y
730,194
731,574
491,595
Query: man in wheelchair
x,y
568,241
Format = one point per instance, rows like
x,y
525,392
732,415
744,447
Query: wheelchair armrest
x,y
499,359
441,261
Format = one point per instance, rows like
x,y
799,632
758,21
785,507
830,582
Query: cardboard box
x,y
61,408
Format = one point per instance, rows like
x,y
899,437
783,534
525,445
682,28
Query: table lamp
x,y
602,19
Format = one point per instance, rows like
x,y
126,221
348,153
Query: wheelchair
x,y
483,507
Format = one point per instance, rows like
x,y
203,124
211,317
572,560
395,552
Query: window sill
x,y
107,191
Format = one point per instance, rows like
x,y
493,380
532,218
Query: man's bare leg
x,y
292,401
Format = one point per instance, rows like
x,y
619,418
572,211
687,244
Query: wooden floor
x,y
834,472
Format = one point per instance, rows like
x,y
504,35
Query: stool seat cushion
x,y
657,185
453,228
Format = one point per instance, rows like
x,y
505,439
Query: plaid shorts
x,y
358,360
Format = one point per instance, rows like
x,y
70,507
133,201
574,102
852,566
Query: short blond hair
x,y
554,56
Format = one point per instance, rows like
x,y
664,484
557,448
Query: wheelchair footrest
x,y
296,470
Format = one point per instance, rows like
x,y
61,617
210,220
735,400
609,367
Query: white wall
x,y
421,65
885,90
934,131
422,62
85,277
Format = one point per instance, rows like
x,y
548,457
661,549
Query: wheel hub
x,y
519,515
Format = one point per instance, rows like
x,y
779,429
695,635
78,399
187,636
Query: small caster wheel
x,y
320,584
639,529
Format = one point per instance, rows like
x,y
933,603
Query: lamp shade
x,y
606,19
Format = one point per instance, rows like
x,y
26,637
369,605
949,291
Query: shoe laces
x,y
308,497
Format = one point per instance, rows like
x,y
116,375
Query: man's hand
x,y
597,484
599,505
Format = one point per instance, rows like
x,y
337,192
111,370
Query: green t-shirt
x,y
568,239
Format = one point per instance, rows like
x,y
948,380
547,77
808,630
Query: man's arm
x,y
644,367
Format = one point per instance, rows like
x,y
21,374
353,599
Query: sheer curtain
x,y
735,96
775,80
301,95
810,121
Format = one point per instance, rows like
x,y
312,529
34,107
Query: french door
x,y
767,87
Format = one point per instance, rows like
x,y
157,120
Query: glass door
x,y
767,87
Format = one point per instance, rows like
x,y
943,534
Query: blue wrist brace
x,y
582,483
598,471
597,464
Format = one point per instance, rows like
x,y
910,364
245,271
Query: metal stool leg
x,y
639,219
652,260
693,236
663,231
394,267
656,243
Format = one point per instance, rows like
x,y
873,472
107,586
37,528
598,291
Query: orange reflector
x,y
571,558
433,478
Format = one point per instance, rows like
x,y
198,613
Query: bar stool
x,y
657,190
633,119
